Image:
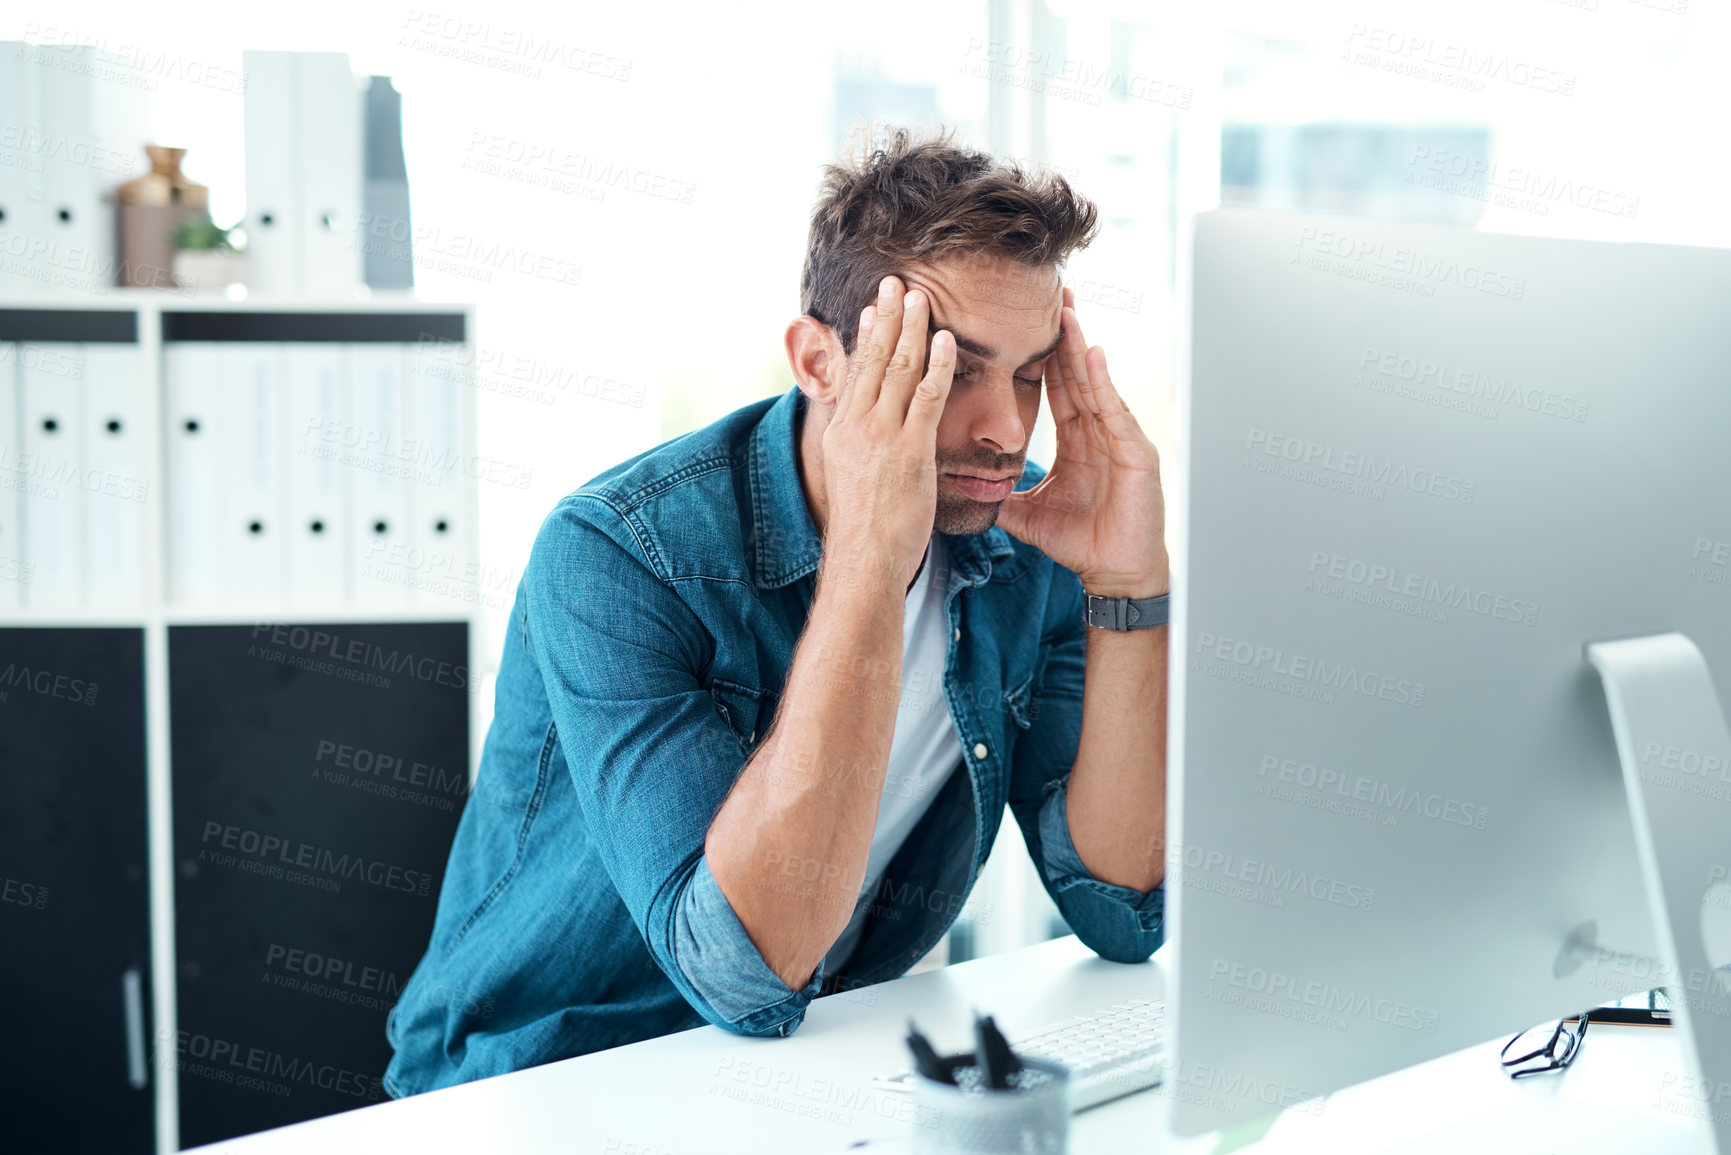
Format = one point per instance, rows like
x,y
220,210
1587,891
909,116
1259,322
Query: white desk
x,y
705,1092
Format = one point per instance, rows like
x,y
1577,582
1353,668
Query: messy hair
x,y
917,200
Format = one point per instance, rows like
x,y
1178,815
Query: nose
x,y
995,417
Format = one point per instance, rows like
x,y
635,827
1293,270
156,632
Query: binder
x,y
317,520
52,473
253,539
441,538
192,383
117,479
380,470
80,236
20,211
329,112
273,205
14,571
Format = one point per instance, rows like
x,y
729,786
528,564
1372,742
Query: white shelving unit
x,y
155,609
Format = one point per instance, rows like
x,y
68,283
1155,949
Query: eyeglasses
x,y
1544,1049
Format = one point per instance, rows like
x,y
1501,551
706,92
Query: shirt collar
x,y
785,541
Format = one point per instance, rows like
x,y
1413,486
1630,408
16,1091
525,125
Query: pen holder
x,y
1030,1118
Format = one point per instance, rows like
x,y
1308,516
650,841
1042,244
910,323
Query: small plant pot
x,y
196,270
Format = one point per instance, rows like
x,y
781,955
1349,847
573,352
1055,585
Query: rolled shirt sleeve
x,y
1117,923
649,757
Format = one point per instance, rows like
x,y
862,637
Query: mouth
x,y
987,487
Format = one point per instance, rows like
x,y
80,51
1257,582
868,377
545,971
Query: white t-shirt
x,y
925,748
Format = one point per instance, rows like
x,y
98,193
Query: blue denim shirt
x,y
646,654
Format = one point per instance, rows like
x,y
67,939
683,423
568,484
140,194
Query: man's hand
x,y
880,448
1099,512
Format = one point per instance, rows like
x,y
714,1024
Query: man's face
x,y
1005,318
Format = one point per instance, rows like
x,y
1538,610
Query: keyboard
x,y
1110,1052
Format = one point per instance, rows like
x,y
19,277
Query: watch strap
x,y
1125,613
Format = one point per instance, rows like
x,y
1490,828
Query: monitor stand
x,y
1676,755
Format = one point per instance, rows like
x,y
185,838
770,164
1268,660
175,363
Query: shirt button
x,y
958,633
980,750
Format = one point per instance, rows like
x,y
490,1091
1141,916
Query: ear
x,y
815,355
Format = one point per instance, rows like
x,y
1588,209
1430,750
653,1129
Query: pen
x,y
992,1052
926,1060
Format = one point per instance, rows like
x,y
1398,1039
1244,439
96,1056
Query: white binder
x,y
116,477
79,231
192,442
381,472
20,206
15,573
441,540
330,111
274,228
51,474
317,526
253,540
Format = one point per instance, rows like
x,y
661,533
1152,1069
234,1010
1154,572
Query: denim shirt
x,y
645,656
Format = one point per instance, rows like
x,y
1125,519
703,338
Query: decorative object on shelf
x,y
151,208
205,256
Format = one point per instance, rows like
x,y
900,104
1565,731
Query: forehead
x,y
1012,307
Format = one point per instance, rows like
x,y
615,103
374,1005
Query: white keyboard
x,y
1110,1052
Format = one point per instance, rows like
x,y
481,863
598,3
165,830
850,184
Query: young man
x,y
769,686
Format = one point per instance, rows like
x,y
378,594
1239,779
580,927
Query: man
x,y
769,686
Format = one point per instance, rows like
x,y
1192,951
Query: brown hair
x,y
916,200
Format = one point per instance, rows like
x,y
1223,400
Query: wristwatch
x,y
1124,613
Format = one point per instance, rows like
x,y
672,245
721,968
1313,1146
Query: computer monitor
x,y
1424,468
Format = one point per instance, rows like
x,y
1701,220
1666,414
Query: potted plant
x,y
204,255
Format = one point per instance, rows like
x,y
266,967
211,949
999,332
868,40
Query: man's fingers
x,y
873,351
1075,353
845,400
907,363
934,389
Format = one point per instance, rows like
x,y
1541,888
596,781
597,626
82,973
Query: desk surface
x,y
705,1092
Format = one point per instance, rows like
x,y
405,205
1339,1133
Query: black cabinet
x,y
319,772
75,1072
